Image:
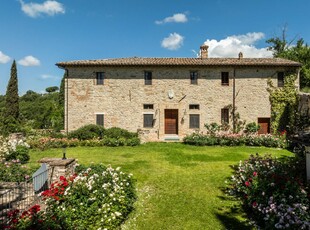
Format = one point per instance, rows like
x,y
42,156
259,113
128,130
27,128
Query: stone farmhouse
x,y
166,98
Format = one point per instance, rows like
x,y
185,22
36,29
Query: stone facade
x,y
123,94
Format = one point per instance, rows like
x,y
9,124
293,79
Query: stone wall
x,y
123,94
304,103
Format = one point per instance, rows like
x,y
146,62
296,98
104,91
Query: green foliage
x,y
284,102
299,52
252,127
61,98
12,99
14,171
88,132
21,153
266,140
273,196
212,128
98,197
52,89
116,132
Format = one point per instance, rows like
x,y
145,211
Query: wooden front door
x,y
171,121
264,124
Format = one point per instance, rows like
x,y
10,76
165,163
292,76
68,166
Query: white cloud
x,y
177,18
173,42
47,76
4,58
49,7
232,45
29,61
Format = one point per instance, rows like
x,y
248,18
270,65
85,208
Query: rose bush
x,y
275,197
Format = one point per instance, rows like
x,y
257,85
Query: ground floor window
x,y
194,121
225,115
148,120
100,119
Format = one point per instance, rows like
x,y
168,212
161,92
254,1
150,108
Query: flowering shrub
x,y
230,139
43,143
273,195
13,150
33,218
95,198
14,171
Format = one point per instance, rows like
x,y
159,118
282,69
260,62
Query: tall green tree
x,y
299,52
12,98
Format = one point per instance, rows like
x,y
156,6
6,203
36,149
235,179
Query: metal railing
x,y
22,195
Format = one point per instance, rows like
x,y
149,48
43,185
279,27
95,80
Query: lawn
x,y
178,186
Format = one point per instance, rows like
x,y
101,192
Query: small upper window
x,y
280,79
148,106
225,78
99,78
193,106
194,77
148,78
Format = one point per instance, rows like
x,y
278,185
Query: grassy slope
x,y
179,186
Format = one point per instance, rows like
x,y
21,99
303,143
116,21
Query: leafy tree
x,y
62,91
52,89
299,52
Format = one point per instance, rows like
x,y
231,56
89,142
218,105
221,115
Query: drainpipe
x,y
67,99
234,101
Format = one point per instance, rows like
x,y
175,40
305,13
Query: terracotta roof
x,y
137,61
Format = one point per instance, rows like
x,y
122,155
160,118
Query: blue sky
x,y
40,33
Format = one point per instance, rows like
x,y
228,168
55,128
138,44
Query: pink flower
x,y
247,183
254,173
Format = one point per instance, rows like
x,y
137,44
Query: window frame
x,y
98,122
194,106
148,77
225,116
193,77
100,78
194,123
148,106
280,78
145,121
225,78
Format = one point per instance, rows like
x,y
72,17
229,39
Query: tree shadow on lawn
x,y
231,216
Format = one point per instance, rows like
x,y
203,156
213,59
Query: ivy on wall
x,y
284,104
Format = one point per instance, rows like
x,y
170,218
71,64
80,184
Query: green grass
x,y
178,186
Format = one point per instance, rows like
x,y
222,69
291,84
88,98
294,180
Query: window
x,y
99,78
148,106
225,78
148,78
193,106
225,115
148,120
100,119
194,77
280,79
194,121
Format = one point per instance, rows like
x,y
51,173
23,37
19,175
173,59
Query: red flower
x,y
254,205
254,173
247,183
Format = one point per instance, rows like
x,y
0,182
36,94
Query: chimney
x,y
204,51
240,55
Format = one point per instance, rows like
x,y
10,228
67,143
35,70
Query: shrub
x,y
272,195
14,171
116,132
227,139
251,128
88,132
97,197
21,153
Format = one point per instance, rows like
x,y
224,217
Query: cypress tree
x,y
12,99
